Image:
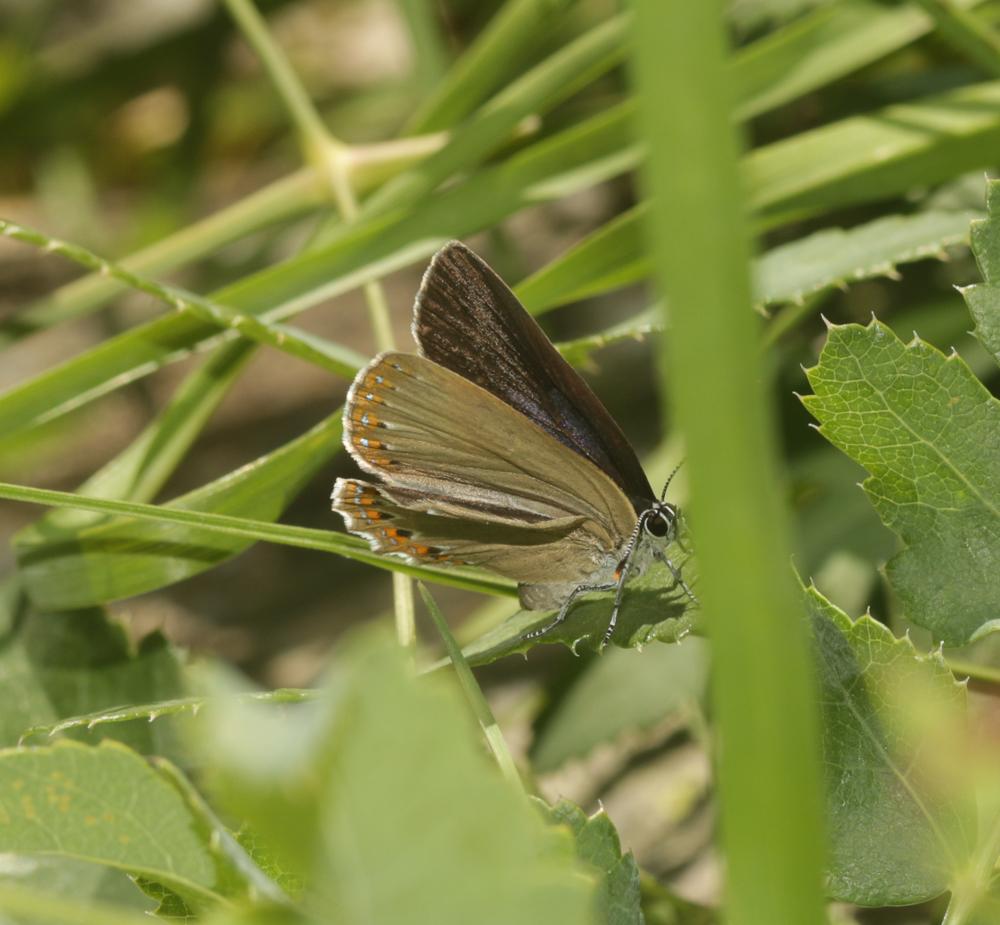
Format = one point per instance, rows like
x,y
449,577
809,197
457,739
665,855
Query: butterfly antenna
x,y
670,478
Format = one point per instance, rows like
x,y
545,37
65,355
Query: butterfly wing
x,y
511,550
467,476
467,320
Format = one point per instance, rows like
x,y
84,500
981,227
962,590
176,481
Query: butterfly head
x,y
660,520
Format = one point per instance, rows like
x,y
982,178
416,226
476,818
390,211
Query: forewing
x,y
467,320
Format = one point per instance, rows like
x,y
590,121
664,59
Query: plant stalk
x,y
473,693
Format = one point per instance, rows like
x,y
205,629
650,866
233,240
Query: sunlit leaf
x,y
929,433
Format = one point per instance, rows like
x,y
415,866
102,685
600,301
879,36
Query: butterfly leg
x,y
564,609
676,572
622,574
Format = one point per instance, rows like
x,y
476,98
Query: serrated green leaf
x,y
404,820
150,712
983,298
619,692
169,905
929,434
107,805
899,828
618,900
836,257
65,568
57,665
653,611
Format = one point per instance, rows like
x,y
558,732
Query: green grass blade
x,y
966,34
490,61
473,692
290,197
829,167
64,568
430,53
574,159
862,158
769,767
329,356
556,78
143,467
822,46
202,524
280,201
879,155
612,257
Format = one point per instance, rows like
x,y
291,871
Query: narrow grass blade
x,y
489,62
769,769
574,159
332,357
201,524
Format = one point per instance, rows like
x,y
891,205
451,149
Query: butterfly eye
x,y
661,522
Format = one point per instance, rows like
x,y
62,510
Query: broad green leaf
x,y
929,434
652,611
619,692
983,298
899,824
117,558
58,665
597,844
383,792
107,805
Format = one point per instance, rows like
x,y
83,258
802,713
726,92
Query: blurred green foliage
x,y
301,166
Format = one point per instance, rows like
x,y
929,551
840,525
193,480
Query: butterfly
x,y
491,450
